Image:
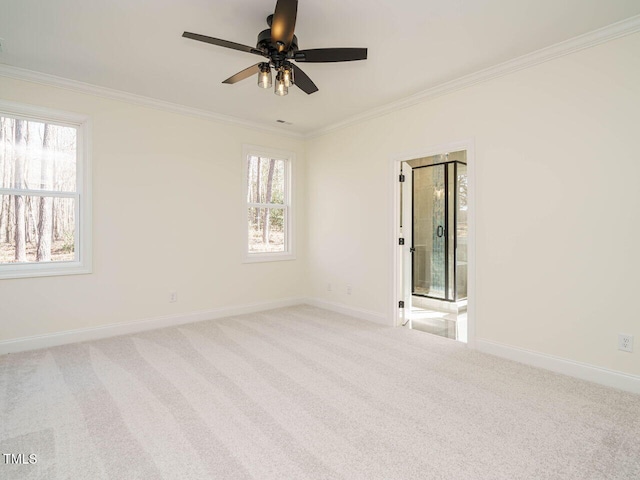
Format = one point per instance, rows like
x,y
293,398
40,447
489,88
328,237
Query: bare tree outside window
x,y
267,204
20,151
37,191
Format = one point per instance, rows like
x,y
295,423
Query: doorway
x,y
434,244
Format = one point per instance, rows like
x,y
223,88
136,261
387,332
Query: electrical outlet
x,y
348,289
173,297
328,287
625,342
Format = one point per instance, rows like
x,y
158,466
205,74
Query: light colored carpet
x,y
302,393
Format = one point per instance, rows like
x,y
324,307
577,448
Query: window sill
x,y
27,270
268,257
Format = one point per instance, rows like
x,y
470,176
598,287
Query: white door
x,y
407,234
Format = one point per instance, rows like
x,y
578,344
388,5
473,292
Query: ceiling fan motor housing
x,y
267,45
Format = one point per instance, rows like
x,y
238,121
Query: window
x,y
44,198
267,193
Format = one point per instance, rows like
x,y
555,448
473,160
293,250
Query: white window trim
x,y
289,158
83,241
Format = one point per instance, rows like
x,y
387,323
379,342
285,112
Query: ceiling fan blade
x,y
322,55
246,73
222,43
303,81
284,23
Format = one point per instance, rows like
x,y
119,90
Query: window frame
x,y
83,240
289,159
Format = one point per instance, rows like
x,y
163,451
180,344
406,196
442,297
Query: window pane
x,y
266,230
45,231
37,156
266,180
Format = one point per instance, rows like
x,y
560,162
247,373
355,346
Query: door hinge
x,y
401,304
401,241
401,178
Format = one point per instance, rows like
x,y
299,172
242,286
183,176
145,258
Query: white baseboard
x,y
123,328
583,371
603,376
356,312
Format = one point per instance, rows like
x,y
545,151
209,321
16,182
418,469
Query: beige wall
x,y
557,202
167,215
557,199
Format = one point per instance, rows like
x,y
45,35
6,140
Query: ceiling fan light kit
x,y
287,74
264,77
281,88
280,46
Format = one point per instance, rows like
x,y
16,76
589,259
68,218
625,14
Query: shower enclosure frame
x,y
450,294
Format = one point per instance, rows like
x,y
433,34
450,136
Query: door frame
x,y
394,228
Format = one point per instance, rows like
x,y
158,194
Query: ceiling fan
x,y
279,46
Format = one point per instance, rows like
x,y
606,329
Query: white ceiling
x,y
136,46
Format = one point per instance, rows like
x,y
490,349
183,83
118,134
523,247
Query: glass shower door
x,y
430,231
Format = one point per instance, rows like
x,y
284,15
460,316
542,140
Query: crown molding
x,y
112,94
623,28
